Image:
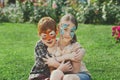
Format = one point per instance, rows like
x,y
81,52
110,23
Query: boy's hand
x,y
51,62
65,67
47,79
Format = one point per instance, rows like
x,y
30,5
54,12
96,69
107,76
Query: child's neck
x,y
53,48
63,44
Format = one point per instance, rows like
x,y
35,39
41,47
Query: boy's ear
x,y
56,32
58,27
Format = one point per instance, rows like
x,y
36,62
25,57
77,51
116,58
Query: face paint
x,y
48,35
72,33
62,28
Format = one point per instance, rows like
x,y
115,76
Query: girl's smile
x,y
49,37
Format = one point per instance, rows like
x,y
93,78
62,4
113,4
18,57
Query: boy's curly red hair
x,y
46,23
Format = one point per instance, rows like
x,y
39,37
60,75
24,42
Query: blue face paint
x,y
62,28
72,32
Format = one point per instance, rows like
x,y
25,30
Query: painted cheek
x,y
73,29
61,31
44,41
62,28
53,37
72,34
50,37
43,38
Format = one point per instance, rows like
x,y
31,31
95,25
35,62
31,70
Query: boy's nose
x,y
49,39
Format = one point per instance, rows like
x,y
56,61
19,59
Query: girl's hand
x,y
51,62
65,67
79,54
75,56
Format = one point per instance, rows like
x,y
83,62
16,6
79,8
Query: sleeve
x,y
77,48
39,66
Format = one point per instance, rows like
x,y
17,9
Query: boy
x,y
47,30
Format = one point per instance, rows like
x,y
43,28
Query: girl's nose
x,y
67,33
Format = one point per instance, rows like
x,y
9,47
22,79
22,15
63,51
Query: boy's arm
x,y
51,61
39,63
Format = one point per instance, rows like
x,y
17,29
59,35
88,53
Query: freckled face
x,y
49,38
67,30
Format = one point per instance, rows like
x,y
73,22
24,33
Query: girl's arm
x,y
77,54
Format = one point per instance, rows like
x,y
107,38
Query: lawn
x,y
17,43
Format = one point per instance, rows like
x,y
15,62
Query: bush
x,y
34,13
40,12
112,13
27,9
11,13
98,12
3,17
102,12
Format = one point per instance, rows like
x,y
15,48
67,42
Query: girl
x,y
66,47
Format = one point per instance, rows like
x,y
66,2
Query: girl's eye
x,y
72,31
65,25
65,29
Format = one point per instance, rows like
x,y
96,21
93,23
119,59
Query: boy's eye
x,y
43,35
52,33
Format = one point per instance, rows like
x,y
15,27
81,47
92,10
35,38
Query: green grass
x,y
17,43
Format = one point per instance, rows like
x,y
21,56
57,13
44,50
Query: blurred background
x,y
86,11
98,32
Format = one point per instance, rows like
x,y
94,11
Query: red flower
x,y
114,30
118,29
119,35
116,33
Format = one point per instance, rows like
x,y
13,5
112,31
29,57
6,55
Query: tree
x,y
11,1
